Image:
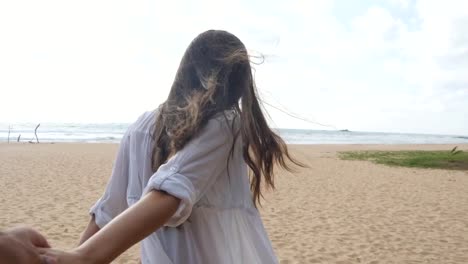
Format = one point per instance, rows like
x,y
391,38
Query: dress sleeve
x,y
114,200
192,170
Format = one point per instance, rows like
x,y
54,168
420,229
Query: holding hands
x,y
23,245
60,257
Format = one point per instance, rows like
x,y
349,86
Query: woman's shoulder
x,y
144,123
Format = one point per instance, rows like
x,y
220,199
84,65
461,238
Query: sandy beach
x,y
335,211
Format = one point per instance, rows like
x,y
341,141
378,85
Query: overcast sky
x,y
368,65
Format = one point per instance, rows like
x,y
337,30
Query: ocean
x,y
112,133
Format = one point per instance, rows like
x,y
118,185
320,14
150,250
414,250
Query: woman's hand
x,y
62,257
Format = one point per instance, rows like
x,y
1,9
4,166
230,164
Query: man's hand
x,y
18,246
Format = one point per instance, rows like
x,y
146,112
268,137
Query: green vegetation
x,y
454,159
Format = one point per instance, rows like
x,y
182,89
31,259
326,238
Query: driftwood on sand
x,y
19,136
35,134
9,129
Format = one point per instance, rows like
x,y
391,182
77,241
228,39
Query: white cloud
x,y
110,60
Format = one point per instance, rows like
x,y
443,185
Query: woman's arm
x,y
127,229
130,227
90,230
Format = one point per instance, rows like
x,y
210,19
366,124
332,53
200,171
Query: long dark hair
x,y
213,76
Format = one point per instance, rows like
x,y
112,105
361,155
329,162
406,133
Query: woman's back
x,y
217,221
184,167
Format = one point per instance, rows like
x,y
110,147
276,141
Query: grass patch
x,y
453,160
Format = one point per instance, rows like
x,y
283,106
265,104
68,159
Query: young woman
x,y
180,183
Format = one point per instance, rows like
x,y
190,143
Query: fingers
x,y
43,251
48,260
48,251
29,235
48,255
38,240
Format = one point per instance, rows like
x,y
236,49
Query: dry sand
x,y
334,212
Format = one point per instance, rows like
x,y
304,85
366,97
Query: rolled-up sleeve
x,y
114,200
192,170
